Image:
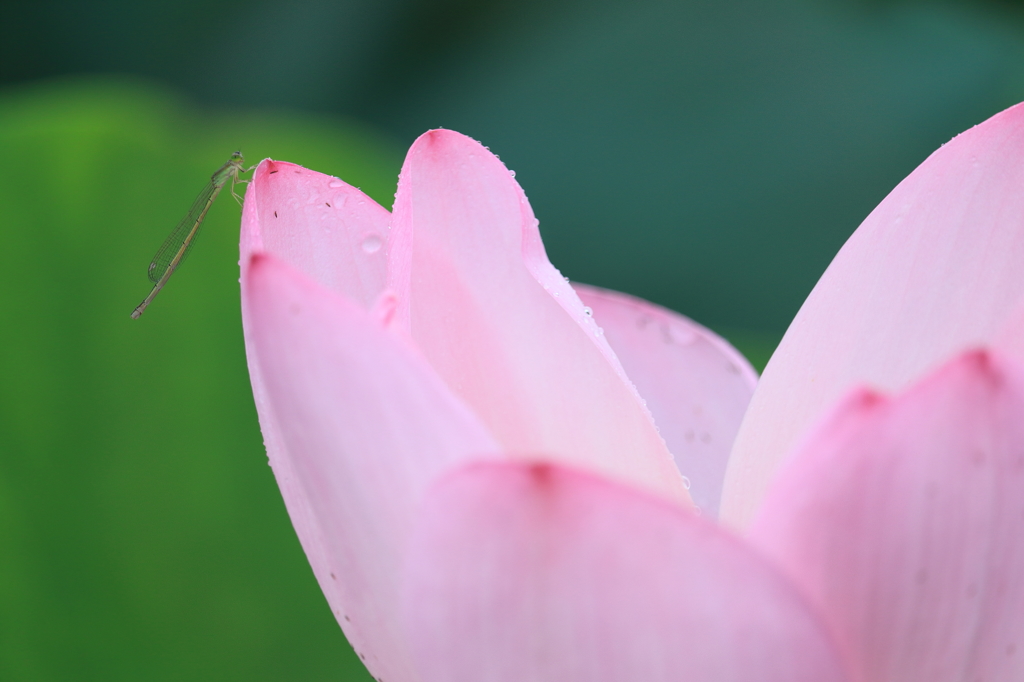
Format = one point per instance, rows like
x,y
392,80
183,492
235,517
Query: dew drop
x,y
372,243
599,332
681,336
686,482
512,173
588,311
336,184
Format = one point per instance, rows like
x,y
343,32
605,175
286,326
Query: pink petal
x,y
1010,339
525,571
696,385
903,519
323,227
934,270
503,328
356,426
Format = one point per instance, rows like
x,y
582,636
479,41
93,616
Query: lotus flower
x,y
483,495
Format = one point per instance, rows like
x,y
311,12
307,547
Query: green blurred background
x,y
709,155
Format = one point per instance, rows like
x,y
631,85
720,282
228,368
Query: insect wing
x,y
186,230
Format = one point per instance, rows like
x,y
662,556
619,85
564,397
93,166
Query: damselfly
x,y
178,245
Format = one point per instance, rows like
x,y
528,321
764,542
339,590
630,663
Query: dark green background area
x,y
710,156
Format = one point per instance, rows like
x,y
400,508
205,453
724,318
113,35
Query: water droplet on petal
x,y
336,183
372,243
681,336
686,482
588,311
512,173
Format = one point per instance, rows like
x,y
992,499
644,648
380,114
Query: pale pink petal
x,y
937,268
695,384
1010,339
356,426
336,235
526,572
320,225
903,519
503,328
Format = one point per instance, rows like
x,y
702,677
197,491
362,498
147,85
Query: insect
x,y
178,245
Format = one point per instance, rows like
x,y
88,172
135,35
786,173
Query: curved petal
x,y
320,225
524,572
356,426
934,270
903,519
696,385
502,327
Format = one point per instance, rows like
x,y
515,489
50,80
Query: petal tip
x,y
981,361
865,399
267,272
441,141
984,367
266,168
259,261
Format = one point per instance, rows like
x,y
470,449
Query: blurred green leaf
x,y
142,535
